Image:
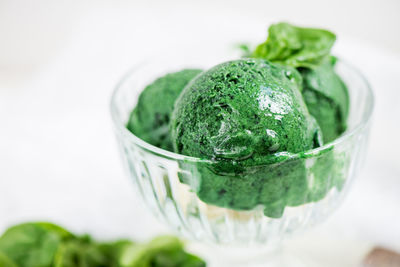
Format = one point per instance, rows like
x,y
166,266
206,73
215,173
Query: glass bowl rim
x,y
120,125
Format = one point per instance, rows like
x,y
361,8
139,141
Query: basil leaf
x,y
33,244
244,49
164,251
48,245
6,261
114,250
295,46
81,252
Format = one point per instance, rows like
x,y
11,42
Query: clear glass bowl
x,y
169,183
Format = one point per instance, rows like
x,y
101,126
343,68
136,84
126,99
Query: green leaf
x,y
193,261
143,254
295,46
81,252
33,244
163,251
244,49
177,258
48,245
114,250
6,261
61,232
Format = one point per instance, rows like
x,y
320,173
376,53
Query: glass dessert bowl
x,y
299,191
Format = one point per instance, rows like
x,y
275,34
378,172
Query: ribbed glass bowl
x,y
169,183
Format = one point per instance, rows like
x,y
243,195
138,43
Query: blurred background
x,y
60,60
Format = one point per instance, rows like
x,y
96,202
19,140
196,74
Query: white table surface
x,y
58,156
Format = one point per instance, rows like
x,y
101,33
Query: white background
x,y
59,61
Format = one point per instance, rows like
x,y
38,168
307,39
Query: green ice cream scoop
x,y
150,118
243,111
327,99
247,117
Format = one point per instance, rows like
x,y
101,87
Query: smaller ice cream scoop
x,y
327,99
150,118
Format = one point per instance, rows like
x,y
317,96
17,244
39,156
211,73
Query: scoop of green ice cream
x,y
247,117
327,99
150,118
243,111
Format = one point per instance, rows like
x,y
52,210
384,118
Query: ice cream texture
x,y
150,118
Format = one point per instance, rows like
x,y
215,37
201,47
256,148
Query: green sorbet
x,y
150,118
246,116
327,99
